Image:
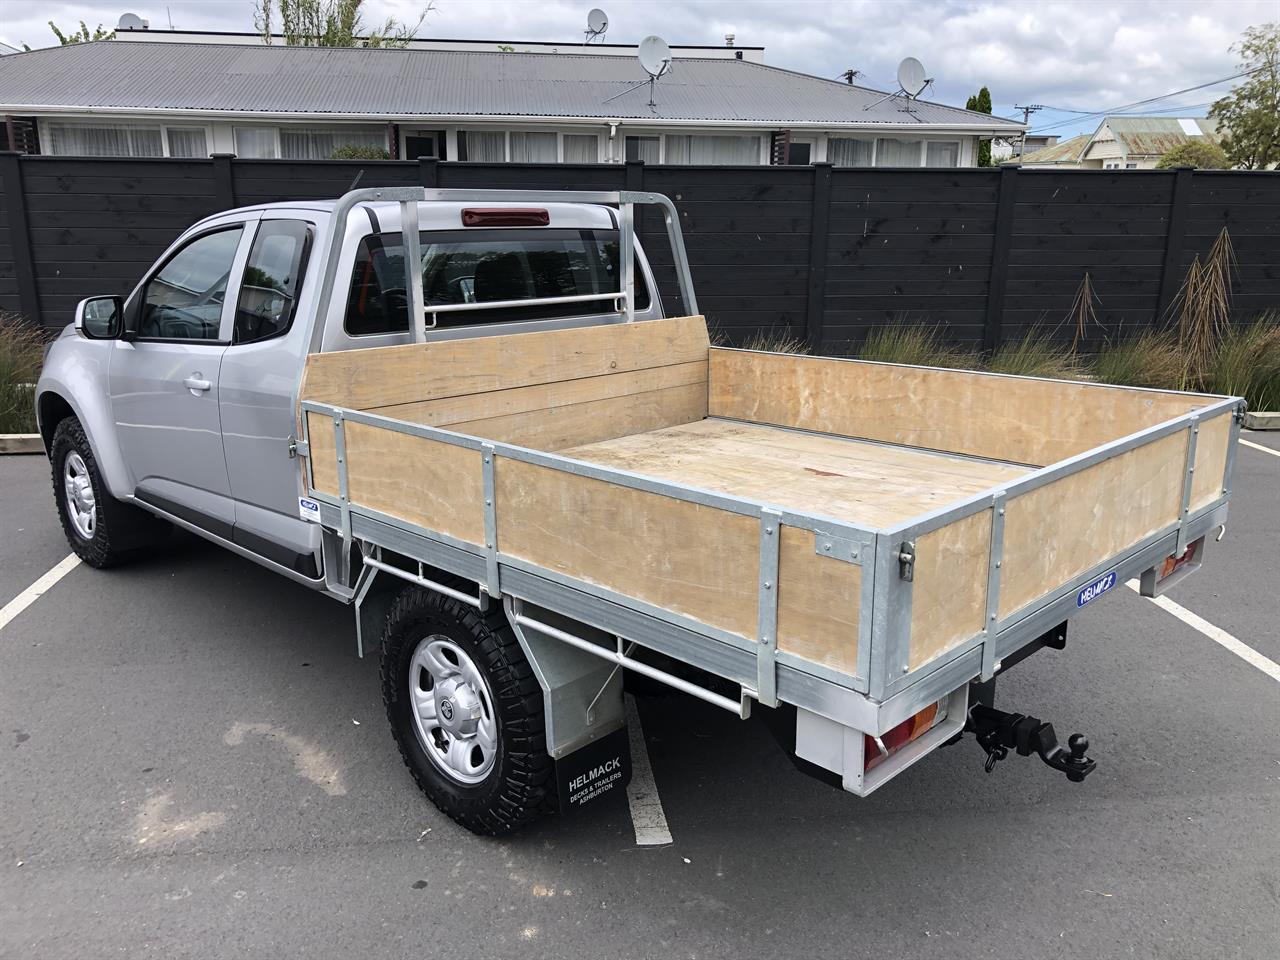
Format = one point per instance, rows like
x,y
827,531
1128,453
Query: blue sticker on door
x,y
1096,589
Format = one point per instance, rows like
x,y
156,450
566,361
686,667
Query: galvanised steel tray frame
x,y
883,691
873,699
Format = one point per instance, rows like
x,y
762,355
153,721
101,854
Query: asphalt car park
x,y
195,763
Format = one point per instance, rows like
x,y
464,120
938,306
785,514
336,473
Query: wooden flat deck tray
x,y
637,459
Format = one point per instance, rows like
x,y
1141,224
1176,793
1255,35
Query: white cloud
x,y
1079,54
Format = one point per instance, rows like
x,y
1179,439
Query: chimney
x,y
728,39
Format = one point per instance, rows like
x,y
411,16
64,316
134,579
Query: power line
x,y
1139,103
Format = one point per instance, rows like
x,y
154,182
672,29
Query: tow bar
x,y
998,732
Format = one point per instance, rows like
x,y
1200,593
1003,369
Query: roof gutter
x,y
975,129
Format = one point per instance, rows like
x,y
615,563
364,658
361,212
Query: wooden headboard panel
x,y
548,390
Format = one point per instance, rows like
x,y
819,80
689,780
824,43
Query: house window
x,y
102,140
581,148
1131,166
482,146
187,142
533,147
258,143
712,149
849,152
892,152
647,149
319,144
125,140
942,153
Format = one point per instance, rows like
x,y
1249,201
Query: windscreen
x,y
485,266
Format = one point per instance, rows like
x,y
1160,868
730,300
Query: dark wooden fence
x,y
826,253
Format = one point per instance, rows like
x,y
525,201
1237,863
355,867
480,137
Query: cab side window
x,y
272,279
184,300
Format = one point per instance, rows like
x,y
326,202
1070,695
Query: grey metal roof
x,y
350,83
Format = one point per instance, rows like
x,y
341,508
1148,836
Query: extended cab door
x,y
257,390
164,381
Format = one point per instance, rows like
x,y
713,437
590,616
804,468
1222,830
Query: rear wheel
x,y
100,529
466,711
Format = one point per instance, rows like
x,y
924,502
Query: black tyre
x,y
101,530
466,711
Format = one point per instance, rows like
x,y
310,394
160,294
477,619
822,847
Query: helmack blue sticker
x,y
1096,589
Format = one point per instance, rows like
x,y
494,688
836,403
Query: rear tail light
x,y
505,217
898,737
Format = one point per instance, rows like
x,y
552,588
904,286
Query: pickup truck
x,y
465,415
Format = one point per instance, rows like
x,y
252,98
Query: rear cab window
x,y
485,266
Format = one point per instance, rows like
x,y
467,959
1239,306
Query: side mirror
x,y
99,318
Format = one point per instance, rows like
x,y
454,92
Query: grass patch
x,y
776,340
917,345
1150,359
1037,354
1246,364
21,356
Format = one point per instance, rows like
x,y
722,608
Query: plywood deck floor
x,y
873,484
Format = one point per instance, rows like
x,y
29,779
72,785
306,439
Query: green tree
x,y
1249,116
330,23
78,36
1202,153
980,102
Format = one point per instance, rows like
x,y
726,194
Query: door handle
x,y
196,385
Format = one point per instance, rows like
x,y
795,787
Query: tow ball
x,y
998,732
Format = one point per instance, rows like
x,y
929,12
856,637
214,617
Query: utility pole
x,y
1027,111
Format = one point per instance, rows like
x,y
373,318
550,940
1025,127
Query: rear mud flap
x,y
600,769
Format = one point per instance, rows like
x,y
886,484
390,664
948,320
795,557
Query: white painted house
x,y
151,94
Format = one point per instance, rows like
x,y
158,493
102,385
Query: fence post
x,y
429,172
993,329
224,184
816,295
1177,228
24,266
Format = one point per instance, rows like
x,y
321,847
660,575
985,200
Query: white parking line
x,y
33,593
642,793
1258,446
1216,634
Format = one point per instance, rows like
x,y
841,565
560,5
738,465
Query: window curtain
x,y
692,148
942,154
184,142
298,144
79,140
256,143
533,147
643,148
848,152
581,149
485,146
891,152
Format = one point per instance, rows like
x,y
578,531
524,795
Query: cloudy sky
x,y
1081,55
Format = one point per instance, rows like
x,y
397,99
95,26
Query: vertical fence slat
x,y
993,328
1176,228
224,181
24,265
816,294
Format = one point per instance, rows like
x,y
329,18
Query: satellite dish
x,y
911,77
131,21
597,22
655,56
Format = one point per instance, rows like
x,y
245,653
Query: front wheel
x,y
466,712
100,529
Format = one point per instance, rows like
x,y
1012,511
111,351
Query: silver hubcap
x,y
452,710
81,507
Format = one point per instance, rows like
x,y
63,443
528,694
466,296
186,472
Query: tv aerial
x,y
655,57
912,82
597,24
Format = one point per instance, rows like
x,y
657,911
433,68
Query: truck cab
x,y
211,343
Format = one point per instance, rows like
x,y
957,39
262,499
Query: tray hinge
x,y
838,548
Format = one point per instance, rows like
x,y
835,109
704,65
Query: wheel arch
x,y
54,403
